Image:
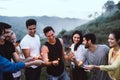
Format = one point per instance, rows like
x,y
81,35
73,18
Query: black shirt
x,y
55,52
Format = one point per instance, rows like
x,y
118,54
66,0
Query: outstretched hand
x,y
89,67
29,59
38,62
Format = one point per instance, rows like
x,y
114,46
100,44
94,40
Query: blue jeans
x,y
63,76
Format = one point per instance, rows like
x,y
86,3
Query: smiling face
x,y
112,41
31,30
50,35
85,43
8,34
76,38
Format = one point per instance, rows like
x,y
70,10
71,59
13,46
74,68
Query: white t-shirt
x,y
33,44
79,54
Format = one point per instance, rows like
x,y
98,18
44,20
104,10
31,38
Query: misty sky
x,y
61,8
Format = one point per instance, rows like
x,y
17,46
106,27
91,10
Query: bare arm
x,y
16,57
35,62
90,67
44,53
26,52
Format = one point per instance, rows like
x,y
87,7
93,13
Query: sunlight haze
x,y
60,8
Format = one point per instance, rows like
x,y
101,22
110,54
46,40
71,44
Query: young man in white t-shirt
x,y
30,46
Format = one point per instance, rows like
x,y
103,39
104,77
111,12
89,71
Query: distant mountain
x,y
18,24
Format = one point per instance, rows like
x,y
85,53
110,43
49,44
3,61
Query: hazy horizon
x,y
58,8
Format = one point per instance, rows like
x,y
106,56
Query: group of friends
x,y
88,59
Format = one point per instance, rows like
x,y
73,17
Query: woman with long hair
x,y
77,57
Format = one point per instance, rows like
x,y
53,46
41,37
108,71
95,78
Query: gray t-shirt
x,y
98,57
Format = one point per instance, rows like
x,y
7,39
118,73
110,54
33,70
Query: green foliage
x,y
101,26
62,32
101,30
118,5
109,5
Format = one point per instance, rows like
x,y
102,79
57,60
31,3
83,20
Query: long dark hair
x,y
2,25
81,38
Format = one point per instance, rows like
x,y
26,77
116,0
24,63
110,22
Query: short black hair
x,y
30,22
6,25
47,29
90,36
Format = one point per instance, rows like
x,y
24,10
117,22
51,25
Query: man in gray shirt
x,y
96,55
